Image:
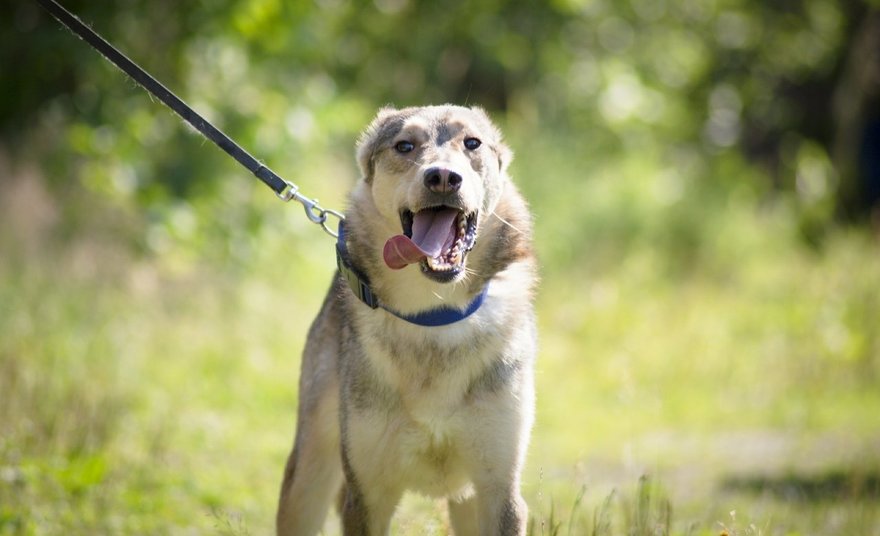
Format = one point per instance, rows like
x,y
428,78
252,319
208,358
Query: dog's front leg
x,y
491,512
372,474
501,423
502,512
367,515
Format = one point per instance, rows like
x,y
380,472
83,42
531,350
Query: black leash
x,y
285,190
282,188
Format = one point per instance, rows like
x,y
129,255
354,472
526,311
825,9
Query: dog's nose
x,y
442,180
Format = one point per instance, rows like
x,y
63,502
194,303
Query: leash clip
x,y
329,229
314,212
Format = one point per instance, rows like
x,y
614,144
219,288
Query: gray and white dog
x,y
431,391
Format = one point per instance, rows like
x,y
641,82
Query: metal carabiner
x,y
324,226
314,212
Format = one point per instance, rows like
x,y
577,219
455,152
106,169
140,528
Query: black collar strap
x,y
360,285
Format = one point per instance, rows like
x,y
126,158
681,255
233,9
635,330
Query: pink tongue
x,y
432,230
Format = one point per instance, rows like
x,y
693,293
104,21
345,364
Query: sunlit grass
x,y
154,392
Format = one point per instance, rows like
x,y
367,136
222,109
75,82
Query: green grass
x,y
698,342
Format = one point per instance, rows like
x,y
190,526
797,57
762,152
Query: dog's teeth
x,y
439,265
453,258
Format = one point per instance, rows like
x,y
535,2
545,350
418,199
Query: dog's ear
x,y
505,155
502,151
371,139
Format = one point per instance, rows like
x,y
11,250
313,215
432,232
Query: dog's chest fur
x,y
431,369
422,387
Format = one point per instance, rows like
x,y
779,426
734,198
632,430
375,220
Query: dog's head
x,y
435,174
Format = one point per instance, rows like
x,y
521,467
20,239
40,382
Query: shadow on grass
x,y
795,487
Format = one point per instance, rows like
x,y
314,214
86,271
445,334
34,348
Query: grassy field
x,y
702,371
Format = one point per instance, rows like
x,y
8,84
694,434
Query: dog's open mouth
x,y
438,238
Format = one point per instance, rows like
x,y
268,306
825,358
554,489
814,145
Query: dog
x,y
423,381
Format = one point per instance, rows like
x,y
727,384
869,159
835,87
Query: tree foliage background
x,y
790,86
704,177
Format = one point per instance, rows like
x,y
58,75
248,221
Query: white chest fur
x,y
430,373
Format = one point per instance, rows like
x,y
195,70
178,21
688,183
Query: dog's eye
x,y
472,143
404,146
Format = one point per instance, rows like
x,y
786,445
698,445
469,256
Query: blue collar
x,y
360,285
442,316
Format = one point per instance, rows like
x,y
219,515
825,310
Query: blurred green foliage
x,y
675,85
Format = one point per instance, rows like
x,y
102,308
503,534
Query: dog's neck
x,y
359,283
